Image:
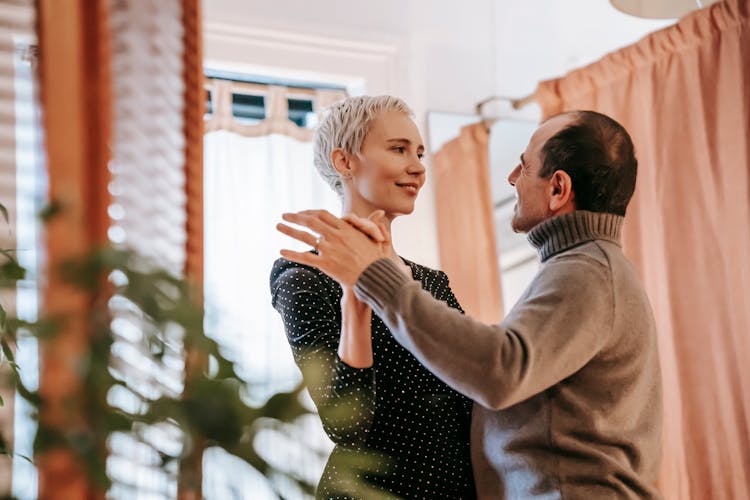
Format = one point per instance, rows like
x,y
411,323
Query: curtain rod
x,y
516,103
268,81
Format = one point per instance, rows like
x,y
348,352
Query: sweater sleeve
x,y
343,395
560,323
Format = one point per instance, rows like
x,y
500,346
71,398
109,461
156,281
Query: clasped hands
x,y
346,246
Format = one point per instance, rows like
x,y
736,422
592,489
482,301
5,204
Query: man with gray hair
x,y
567,387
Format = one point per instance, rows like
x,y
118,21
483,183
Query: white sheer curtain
x,y
248,183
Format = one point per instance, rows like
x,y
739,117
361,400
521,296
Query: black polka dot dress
x,y
399,431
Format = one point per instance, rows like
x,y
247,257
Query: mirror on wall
x,y
517,259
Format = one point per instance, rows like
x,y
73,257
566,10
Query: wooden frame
x,y
189,485
75,83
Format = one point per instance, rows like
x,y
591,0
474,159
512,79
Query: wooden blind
x,y
18,148
148,215
276,99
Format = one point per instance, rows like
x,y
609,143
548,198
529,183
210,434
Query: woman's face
x,y
387,174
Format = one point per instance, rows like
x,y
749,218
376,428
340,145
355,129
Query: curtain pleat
x,y
464,215
684,94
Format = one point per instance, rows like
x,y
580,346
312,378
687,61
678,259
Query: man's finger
x,y
298,235
366,226
310,221
325,216
377,216
384,232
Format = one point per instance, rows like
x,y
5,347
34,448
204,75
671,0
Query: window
x,y
257,165
518,260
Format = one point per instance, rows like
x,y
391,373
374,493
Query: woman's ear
x,y
341,162
562,198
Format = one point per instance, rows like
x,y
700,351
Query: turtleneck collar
x,y
561,232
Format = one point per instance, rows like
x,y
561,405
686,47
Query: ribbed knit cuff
x,y
379,283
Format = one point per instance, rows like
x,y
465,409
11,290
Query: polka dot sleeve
x,y
311,312
443,292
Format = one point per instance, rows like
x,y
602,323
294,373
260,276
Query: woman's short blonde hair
x,y
344,125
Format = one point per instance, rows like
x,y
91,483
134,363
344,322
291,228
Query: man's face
x,y
533,192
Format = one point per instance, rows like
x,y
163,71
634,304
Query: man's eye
x,y
399,149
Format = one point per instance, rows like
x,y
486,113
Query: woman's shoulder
x,y
436,282
430,278
285,272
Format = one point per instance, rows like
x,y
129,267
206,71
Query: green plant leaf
x,y
8,253
8,352
213,409
48,212
3,320
11,272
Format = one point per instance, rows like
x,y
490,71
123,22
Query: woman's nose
x,y
416,167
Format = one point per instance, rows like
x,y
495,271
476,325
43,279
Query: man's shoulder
x,y
591,264
601,253
586,264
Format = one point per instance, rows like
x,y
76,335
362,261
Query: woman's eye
x,y
399,149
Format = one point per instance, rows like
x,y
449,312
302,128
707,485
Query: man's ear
x,y
341,162
562,197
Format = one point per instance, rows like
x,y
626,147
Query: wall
x,y
431,55
437,55
541,39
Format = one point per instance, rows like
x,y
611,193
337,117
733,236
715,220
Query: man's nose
x,y
514,175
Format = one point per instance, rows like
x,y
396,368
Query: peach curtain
x,y
466,232
684,94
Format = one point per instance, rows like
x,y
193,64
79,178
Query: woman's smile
x,y
410,187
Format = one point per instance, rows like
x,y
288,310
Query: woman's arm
x,y
344,394
355,345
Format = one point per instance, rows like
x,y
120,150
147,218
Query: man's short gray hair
x,y
344,125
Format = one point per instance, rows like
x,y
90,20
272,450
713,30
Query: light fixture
x,y
659,9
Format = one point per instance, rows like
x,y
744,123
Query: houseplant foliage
x,y
215,409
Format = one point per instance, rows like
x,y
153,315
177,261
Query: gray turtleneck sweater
x,y
567,387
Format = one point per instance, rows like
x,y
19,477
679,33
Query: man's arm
x,y
560,324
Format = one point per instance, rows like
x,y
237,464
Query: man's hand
x,y
374,226
344,252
